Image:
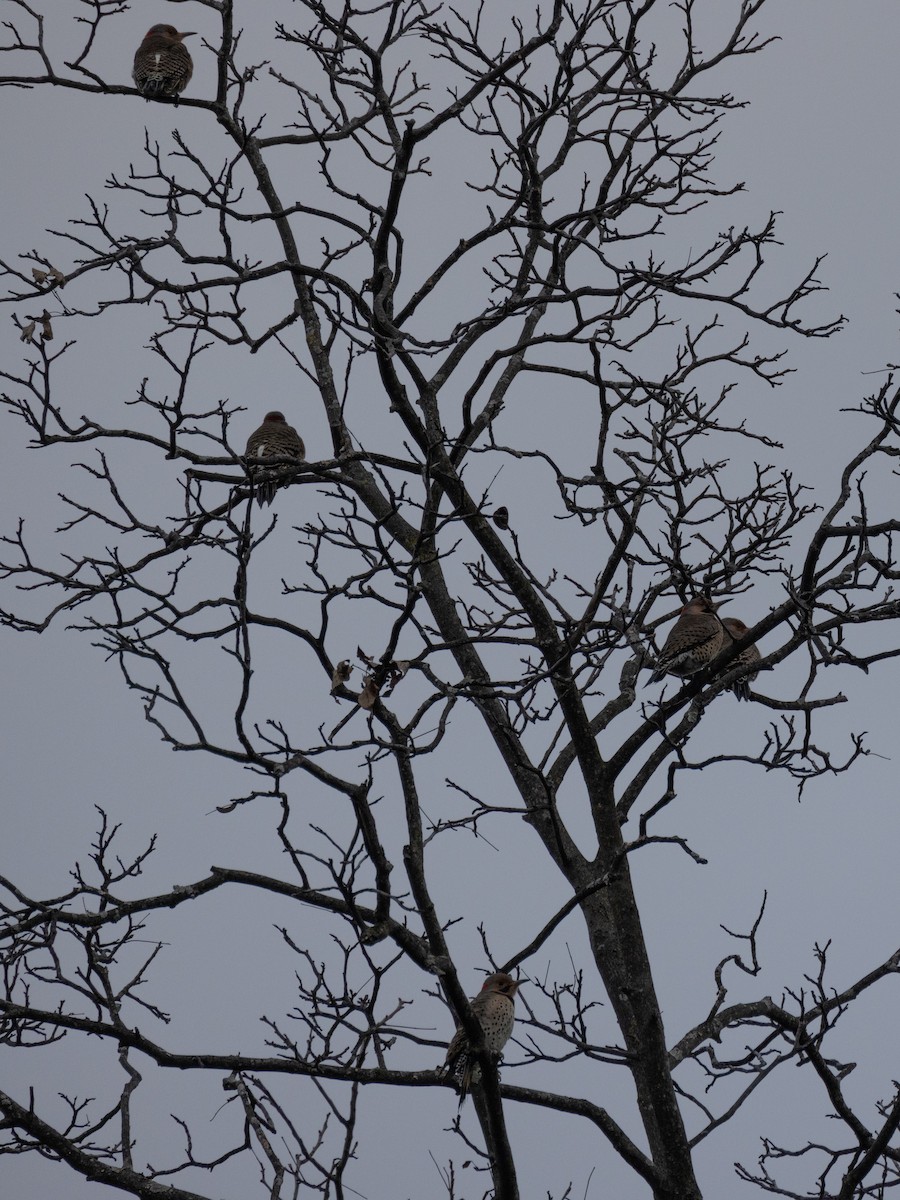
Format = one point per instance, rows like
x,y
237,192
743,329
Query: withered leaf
x,y
367,697
56,274
46,327
39,276
500,517
367,659
27,334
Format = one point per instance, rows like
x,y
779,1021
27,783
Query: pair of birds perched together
x,y
697,637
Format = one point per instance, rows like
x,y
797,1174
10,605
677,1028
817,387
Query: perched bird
x,y
735,630
162,65
494,1006
694,640
274,439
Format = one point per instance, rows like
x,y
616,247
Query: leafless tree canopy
x,y
493,246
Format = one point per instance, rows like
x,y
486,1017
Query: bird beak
x,y
190,33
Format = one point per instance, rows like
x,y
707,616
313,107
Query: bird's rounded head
x,y
700,604
502,983
168,31
735,627
278,417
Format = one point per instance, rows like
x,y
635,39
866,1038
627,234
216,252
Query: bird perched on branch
x,y
735,630
274,440
494,1006
162,65
694,640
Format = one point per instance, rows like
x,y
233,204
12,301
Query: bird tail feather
x,y
265,492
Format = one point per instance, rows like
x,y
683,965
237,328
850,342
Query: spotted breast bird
x,y
694,640
735,631
275,440
495,1008
162,65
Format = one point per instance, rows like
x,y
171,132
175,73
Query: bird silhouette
x,y
276,440
694,640
162,65
495,1008
735,631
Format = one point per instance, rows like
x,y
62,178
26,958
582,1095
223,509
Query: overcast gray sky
x,y
817,142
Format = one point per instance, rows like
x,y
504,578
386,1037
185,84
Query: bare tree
x,y
487,243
